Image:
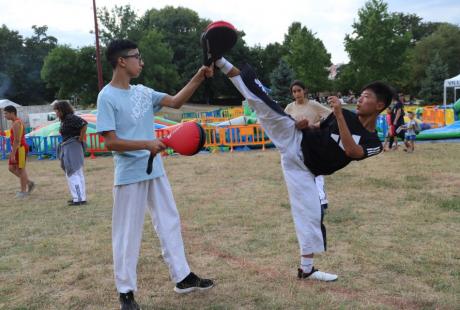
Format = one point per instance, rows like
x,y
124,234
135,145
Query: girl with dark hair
x,y
71,150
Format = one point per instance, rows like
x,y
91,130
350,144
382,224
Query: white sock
x,y
306,264
224,65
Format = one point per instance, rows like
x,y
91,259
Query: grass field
x,y
393,235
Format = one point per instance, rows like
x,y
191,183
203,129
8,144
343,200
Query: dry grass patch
x,y
393,235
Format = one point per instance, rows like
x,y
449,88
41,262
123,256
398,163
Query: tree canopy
x,y
308,57
396,47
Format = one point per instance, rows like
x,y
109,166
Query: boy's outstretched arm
x,y
352,149
187,91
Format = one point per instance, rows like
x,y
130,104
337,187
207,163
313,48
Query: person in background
x,y
411,131
398,119
71,152
390,136
18,155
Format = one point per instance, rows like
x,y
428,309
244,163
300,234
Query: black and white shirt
x,y
71,126
323,150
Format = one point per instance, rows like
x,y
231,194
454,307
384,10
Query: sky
x,y
264,22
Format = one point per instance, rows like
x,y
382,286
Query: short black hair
x,y
118,48
10,109
64,107
297,83
382,91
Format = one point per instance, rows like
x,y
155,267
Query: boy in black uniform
x,y
342,137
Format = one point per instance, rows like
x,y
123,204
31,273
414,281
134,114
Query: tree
x,y
85,75
118,23
72,73
11,51
177,32
267,59
308,57
159,73
345,79
413,24
281,79
181,29
376,47
59,71
445,42
22,61
432,84
36,48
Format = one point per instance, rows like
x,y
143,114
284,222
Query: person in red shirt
x,y
18,155
390,137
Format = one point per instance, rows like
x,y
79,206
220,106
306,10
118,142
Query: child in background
x,y
411,131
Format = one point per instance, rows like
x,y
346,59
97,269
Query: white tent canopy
x,y
451,83
6,102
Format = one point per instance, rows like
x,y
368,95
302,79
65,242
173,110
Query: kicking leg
x,y
279,126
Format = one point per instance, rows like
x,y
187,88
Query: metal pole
x,y
98,54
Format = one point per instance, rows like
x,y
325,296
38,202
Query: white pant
x,y
319,180
130,203
302,190
76,183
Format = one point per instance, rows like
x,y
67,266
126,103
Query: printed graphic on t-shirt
x,y
141,100
337,139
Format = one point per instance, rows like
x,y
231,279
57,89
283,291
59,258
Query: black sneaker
x,y
193,282
127,302
76,203
324,206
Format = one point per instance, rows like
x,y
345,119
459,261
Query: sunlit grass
x,y
393,235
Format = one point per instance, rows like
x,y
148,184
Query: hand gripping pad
x,y
185,138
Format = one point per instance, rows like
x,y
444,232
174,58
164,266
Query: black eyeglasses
x,y
137,56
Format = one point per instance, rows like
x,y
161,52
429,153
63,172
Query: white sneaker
x,y
21,195
315,274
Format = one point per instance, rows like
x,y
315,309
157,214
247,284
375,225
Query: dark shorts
x,y
410,137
